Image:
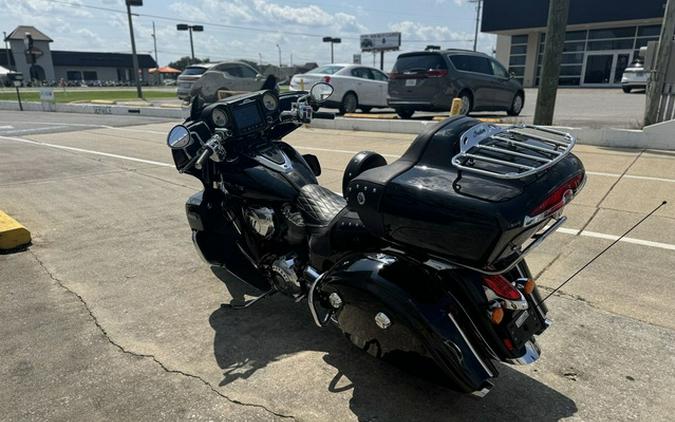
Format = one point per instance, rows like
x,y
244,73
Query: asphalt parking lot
x,y
112,315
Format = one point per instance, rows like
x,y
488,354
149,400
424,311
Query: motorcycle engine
x,y
285,275
261,220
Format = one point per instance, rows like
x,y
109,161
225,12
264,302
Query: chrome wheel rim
x,y
466,103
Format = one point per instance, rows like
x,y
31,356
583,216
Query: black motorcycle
x,y
420,259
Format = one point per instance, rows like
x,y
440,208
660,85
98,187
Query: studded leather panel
x,y
319,205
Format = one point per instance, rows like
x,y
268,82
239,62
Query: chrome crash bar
x,y
513,152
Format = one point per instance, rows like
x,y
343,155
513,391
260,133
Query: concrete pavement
x,y
111,314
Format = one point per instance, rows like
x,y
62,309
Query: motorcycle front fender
x,y
391,307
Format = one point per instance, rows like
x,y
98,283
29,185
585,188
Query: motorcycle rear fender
x,y
421,311
216,239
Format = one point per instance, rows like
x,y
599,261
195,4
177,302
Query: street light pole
x,y
190,28
332,41
134,58
475,36
192,46
279,48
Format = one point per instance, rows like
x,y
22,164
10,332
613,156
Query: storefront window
x,y
649,31
599,34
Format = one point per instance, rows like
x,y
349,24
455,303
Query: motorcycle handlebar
x,y
323,115
206,154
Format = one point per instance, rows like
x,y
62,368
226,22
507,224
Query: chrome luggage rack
x,y
513,152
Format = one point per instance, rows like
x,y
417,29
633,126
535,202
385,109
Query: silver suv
x,y
236,76
429,80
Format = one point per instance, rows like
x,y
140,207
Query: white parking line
x,y
563,230
87,151
613,237
93,126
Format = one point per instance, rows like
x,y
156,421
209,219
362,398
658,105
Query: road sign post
x,y
17,79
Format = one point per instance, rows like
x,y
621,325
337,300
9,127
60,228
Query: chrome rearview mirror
x,y
321,91
179,137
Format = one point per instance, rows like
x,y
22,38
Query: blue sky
x,y
296,25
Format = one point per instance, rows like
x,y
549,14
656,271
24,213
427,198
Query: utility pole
x,y
134,58
260,59
558,11
154,40
662,58
279,48
157,76
291,59
475,37
4,37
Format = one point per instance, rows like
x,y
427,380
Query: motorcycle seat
x,y
319,205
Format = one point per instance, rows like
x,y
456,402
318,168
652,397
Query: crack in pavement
x,y
147,356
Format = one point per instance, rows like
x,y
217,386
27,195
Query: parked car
x,y
634,77
429,80
237,76
356,86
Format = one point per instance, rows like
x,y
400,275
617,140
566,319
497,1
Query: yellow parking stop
x,y
12,234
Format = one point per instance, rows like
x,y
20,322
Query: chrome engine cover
x,y
261,220
285,275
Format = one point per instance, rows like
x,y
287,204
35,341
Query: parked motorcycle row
x,y
419,260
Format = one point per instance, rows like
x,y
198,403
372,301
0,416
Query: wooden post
x,y
558,11
658,74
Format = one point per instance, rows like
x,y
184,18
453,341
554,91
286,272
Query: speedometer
x,y
270,101
219,117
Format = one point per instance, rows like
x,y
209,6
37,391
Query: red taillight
x,y
501,286
508,344
326,79
395,75
439,73
556,200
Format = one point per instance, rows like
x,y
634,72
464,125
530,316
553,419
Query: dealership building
x,y
68,65
603,37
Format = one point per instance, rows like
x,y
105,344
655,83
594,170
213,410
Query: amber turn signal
x,y
496,315
529,286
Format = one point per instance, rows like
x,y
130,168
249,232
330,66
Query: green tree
x,y
186,61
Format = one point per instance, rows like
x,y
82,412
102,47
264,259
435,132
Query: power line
x,y
237,27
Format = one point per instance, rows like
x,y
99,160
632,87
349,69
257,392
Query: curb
x,y
658,136
119,110
13,235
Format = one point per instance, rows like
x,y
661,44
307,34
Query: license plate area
x,y
411,82
523,326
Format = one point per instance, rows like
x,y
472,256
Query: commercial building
x,y
603,37
69,65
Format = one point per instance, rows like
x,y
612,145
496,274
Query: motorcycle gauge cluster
x,y
219,117
270,101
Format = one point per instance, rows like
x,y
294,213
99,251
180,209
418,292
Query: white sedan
x,y
356,86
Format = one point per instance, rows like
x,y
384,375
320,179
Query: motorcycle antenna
x,y
602,252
